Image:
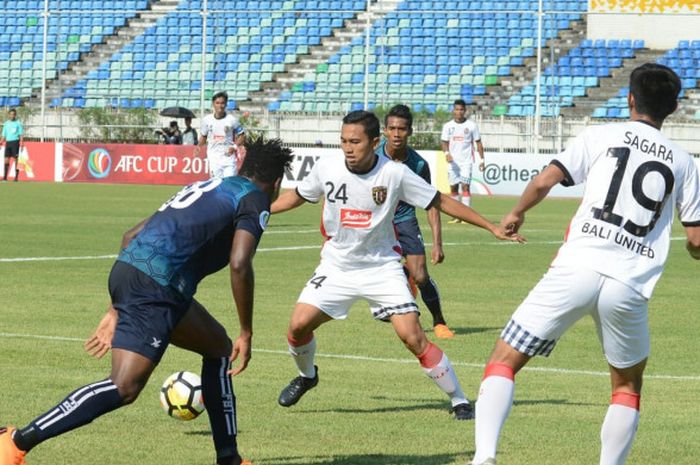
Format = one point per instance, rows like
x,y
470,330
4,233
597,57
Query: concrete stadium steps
x,y
102,52
295,72
609,87
523,75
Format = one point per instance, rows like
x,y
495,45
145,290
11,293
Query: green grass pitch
x,y
373,405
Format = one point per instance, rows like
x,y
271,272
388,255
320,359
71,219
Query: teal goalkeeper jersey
x,y
12,130
418,165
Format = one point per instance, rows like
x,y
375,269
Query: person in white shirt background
x,y
457,140
217,134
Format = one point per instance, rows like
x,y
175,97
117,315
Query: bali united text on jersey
x,y
634,177
358,209
219,134
461,138
191,235
418,165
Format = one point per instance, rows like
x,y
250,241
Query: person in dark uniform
x,y
398,127
201,229
12,136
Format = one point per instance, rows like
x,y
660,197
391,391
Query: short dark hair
x,y
12,110
400,111
367,119
461,102
220,94
655,89
266,160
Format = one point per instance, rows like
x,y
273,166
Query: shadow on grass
x,y
388,409
556,402
363,459
465,331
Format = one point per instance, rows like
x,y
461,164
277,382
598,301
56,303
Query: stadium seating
x,y
417,54
70,33
430,59
568,78
684,60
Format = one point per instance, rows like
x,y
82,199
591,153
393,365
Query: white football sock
x,y
618,431
492,408
442,373
303,356
467,200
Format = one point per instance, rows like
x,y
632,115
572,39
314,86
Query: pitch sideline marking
x,y
364,358
275,249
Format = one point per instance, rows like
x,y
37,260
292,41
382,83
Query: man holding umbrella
x,y
172,133
217,133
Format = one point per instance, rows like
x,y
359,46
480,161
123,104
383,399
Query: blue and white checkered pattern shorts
x,y
525,342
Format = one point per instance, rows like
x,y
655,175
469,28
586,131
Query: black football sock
x,y
220,401
79,408
430,295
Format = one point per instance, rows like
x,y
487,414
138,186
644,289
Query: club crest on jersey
x,y
379,194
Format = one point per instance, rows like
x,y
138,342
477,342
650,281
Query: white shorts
x,y
563,296
222,167
385,288
459,172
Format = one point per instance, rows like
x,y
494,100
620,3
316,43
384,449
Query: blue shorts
x,y
148,312
410,237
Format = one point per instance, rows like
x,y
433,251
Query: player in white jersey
x,y
458,138
613,255
360,259
217,133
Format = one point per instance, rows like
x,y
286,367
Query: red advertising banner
x,y
133,164
36,163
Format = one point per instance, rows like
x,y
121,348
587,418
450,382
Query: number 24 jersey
x,y
358,210
634,176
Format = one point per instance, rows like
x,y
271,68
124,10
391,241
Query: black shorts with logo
x,y
148,311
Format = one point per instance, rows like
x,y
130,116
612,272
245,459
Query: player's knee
x,y
129,390
298,328
414,342
421,276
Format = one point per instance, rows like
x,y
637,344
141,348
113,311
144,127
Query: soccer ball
x,y
181,396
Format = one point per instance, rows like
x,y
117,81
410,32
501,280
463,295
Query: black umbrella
x,y
177,112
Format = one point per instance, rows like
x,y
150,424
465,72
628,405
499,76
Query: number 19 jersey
x,y
634,176
358,211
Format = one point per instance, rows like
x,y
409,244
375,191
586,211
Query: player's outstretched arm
x,y
450,206
693,243
243,286
99,343
287,201
435,223
533,194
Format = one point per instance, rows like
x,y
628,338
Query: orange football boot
x,y
9,453
443,332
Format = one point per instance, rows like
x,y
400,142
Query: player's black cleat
x,y
297,388
463,411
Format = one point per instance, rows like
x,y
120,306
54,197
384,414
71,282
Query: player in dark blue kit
x,y
199,231
398,127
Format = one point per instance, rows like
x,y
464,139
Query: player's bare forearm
x,y
287,201
538,188
458,210
243,278
436,229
